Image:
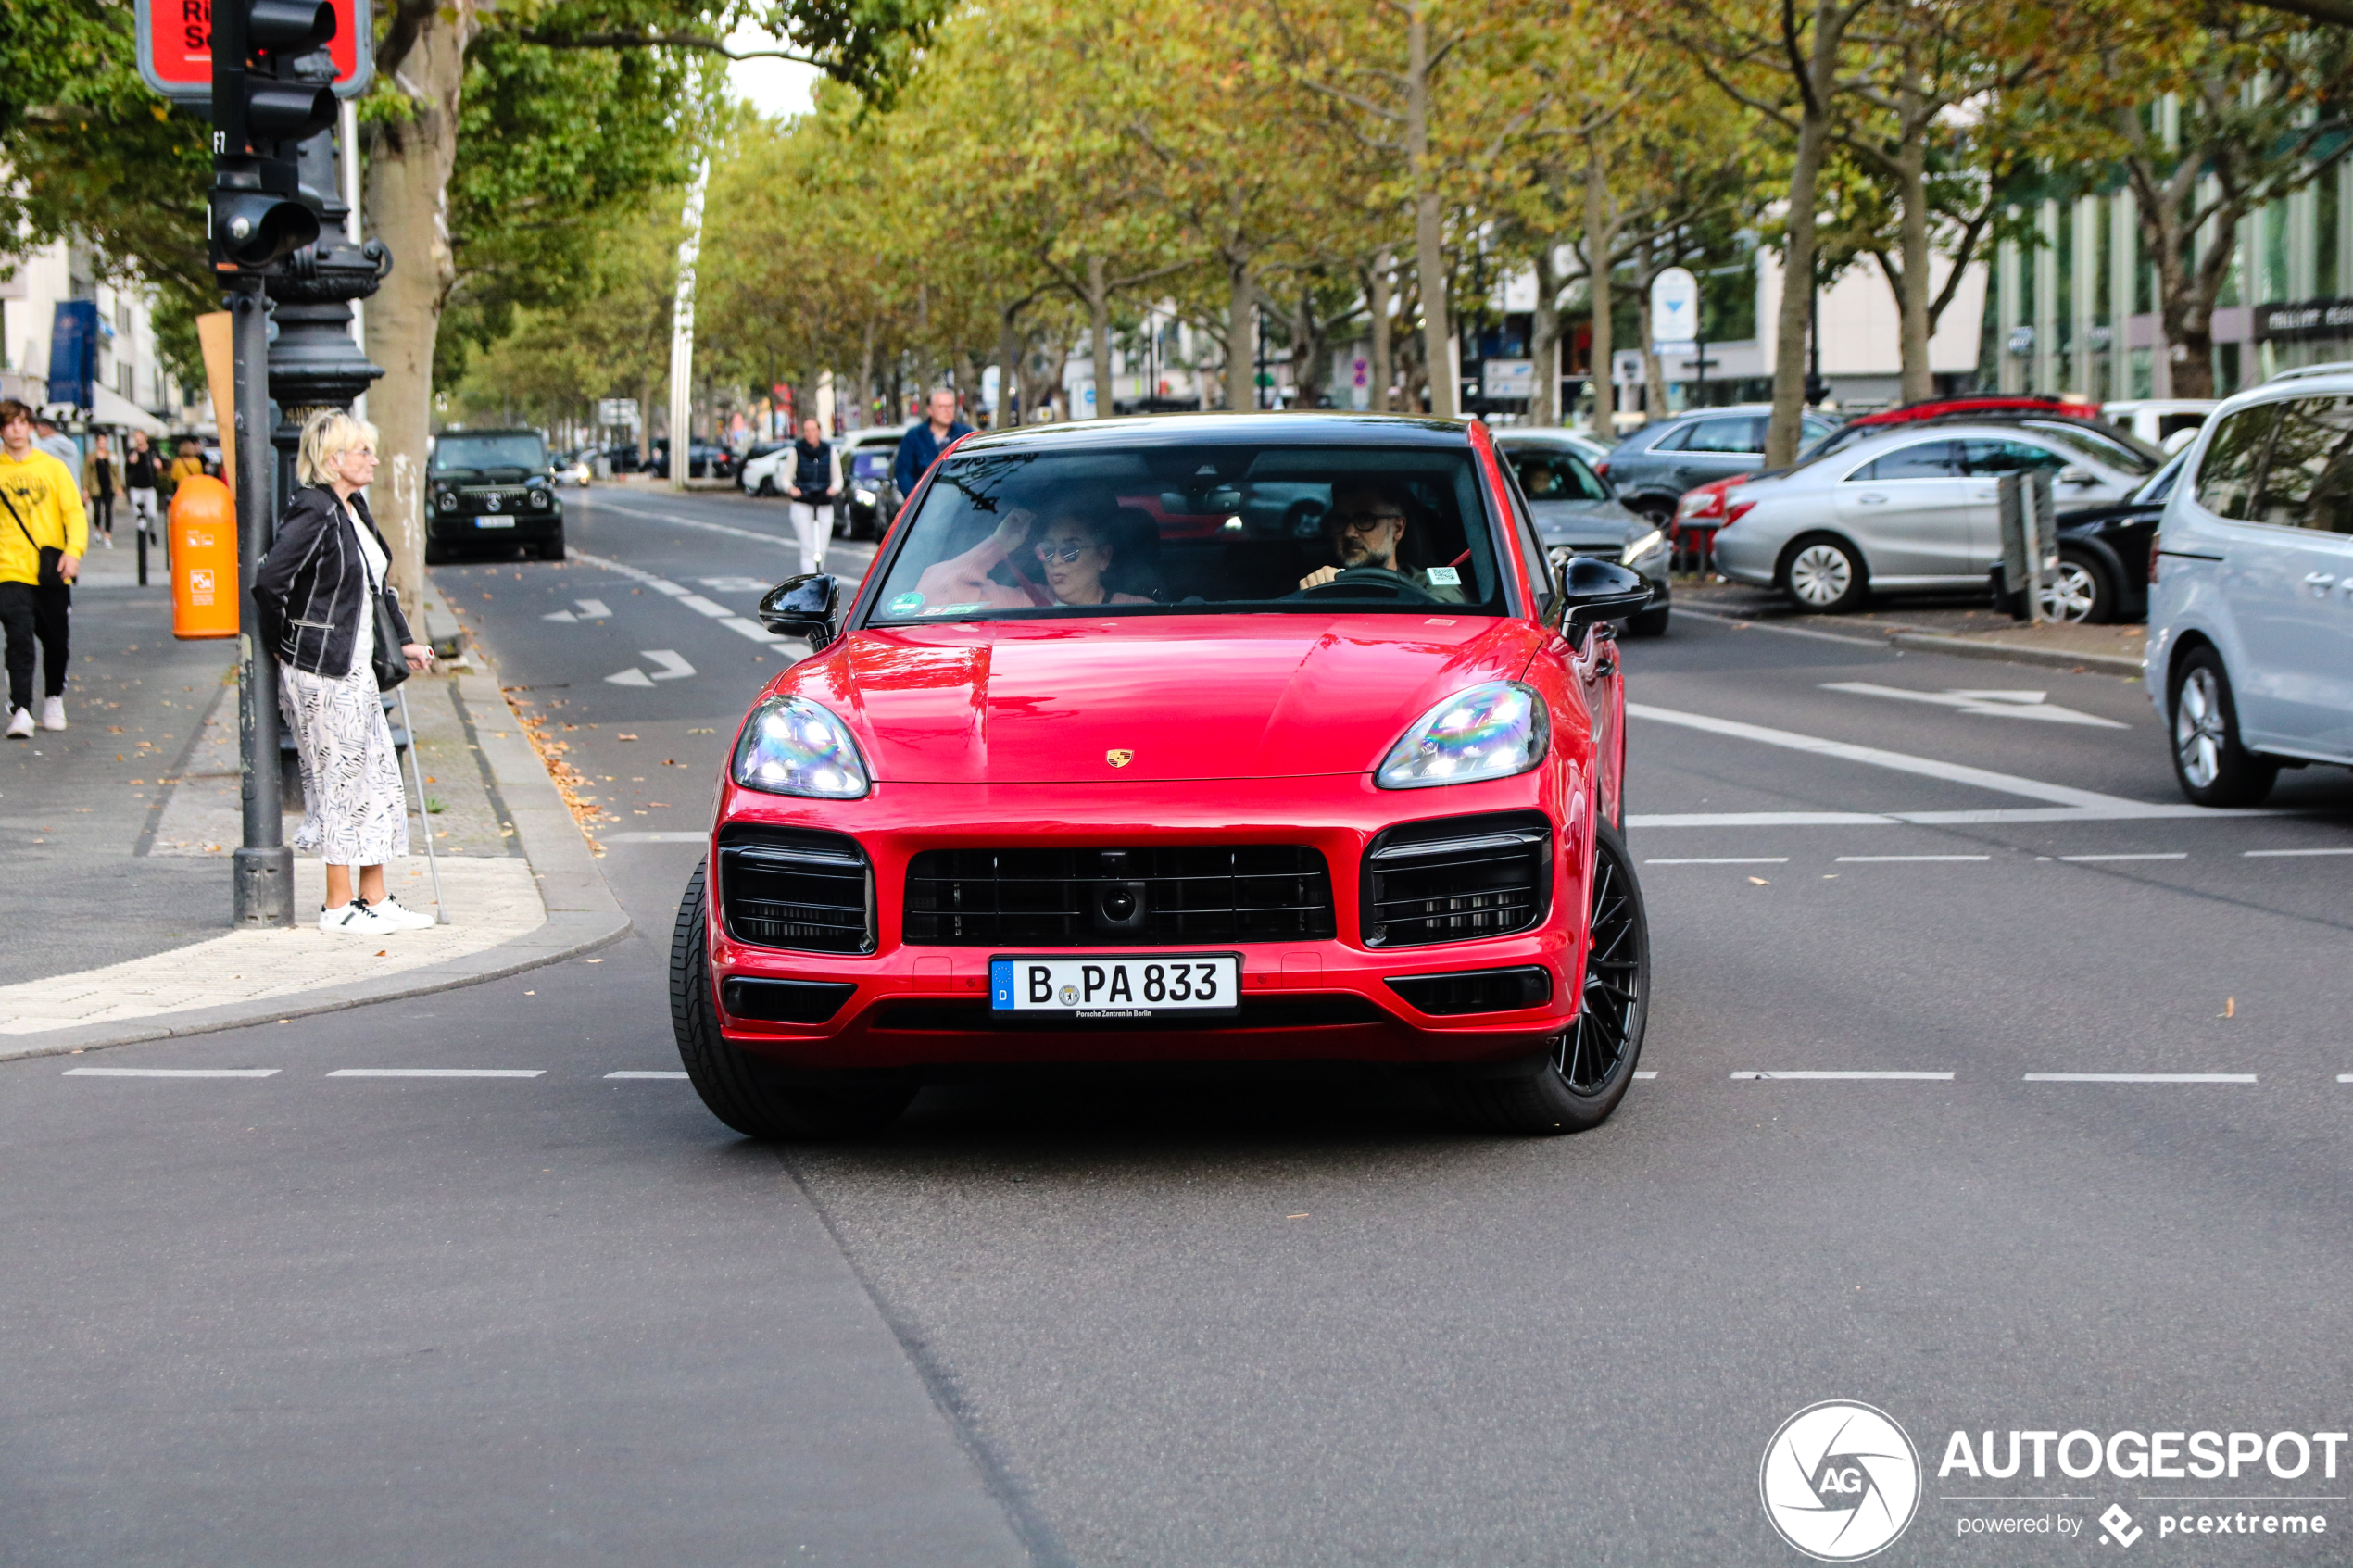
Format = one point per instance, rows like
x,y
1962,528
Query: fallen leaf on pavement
x,y
2229,1007
624,737
1760,881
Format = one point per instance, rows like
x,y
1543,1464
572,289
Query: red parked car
x,y
1074,779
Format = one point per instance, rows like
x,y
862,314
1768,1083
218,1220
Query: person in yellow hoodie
x,y
39,512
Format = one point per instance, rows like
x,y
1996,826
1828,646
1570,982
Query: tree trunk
x,y
1600,236
1240,389
1797,271
865,377
1098,331
1648,265
1384,366
1544,403
1008,366
1429,251
1912,296
408,164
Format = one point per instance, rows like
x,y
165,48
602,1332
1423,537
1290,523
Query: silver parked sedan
x,y
1916,508
1576,513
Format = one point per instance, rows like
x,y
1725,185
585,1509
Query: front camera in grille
x,y
792,887
1457,879
1189,893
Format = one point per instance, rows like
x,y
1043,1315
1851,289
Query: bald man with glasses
x,y
1367,526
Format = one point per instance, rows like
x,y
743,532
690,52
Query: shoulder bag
x,y
384,656
51,556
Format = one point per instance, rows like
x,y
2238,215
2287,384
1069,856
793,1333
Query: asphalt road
x,y
300,1318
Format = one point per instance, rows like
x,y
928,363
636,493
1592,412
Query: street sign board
x,y
619,411
1674,311
175,48
1507,378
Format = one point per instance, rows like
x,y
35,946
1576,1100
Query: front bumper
x,y
465,528
920,1007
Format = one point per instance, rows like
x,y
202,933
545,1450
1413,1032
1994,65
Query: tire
x,y
768,486
2080,593
1587,1068
1823,574
751,1096
1659,513
436,553
2211,765
1650,622
552,550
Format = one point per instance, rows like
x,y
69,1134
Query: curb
x,y
583,914
1930,642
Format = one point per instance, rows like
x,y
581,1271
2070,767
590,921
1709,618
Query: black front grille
x,y
1457,879
1163,894
792,887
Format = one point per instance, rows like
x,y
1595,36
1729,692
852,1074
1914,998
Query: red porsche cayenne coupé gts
x,y
1219,738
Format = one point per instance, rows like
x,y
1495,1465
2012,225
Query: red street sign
x,y
175,48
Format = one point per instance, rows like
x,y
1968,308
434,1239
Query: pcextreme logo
x,y
1839,1481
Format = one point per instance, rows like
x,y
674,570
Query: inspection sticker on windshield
x,y
1444,577
1111,988
907,604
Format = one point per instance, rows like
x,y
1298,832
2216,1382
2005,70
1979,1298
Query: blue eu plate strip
x,y
1001,983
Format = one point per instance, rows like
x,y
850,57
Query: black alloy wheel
x,y
1586,1071
748,1094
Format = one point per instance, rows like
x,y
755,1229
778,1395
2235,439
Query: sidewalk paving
x,y
122,856
1948,624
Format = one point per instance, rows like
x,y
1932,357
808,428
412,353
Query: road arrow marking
x,y
631,677
563,615
1986,704
673,667
591,609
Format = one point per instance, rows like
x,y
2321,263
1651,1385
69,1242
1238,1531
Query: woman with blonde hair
x,y
317,593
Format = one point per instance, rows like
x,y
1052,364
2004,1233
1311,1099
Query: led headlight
x,y
1648,544
446,501
1486,732
866,497
793,747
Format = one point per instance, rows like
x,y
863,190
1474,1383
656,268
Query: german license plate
x,y
1115,987
494,523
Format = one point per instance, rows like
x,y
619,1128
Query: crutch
x,y
417,771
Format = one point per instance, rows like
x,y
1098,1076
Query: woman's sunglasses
x,y
1065,552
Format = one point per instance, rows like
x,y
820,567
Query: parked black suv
x,y
492,488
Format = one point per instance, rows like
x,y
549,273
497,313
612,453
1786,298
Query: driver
x,y
1367,526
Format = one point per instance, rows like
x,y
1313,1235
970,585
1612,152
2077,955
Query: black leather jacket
x,y
312,587
813,471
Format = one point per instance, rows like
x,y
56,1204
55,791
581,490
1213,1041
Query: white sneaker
x,y
53,713
20,724
399,915
355,919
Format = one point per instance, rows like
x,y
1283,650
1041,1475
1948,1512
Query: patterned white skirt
x,y
354,812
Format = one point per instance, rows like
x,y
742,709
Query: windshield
x,y
2114,448
1196,528
2161,485
455,453
872,462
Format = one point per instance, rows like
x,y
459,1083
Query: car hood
x,y
1588,523
1184,696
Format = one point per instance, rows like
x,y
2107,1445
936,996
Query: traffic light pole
x,y
263,865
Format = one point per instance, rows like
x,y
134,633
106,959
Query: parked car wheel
x,y
2213,768
1589,1067
2079,591
741,1090
552,550
1825,574
436,553
768,484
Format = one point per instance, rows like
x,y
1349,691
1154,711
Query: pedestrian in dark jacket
x,y
316,598
811,492
921,446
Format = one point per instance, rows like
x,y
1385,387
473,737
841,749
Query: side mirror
x,y
1592,591
2071,474
806,608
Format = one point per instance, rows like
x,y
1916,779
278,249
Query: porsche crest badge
x,y
1120,758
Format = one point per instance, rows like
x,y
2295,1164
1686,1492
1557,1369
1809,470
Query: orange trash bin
x,y
203,559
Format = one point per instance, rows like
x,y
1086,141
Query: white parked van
x,y
2250,648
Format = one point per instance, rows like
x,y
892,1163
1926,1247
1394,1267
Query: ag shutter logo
x,y
1839,1481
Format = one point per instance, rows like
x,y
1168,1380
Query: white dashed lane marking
x,y
1904,859
2088,860
1724,861
2284,854
739,624
170,1072
438,1072
1839,1076
2140,1077
647,1075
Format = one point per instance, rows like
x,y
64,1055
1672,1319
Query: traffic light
x,y
263,104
